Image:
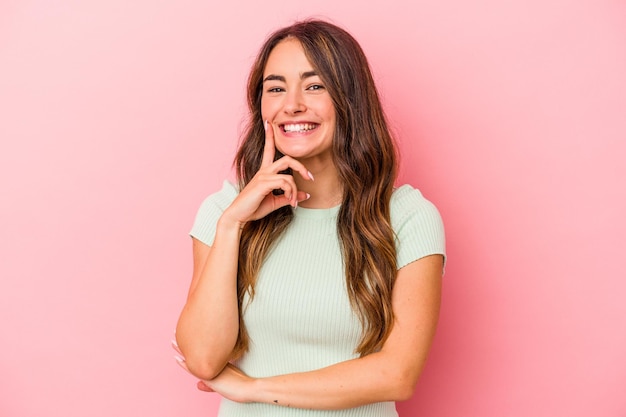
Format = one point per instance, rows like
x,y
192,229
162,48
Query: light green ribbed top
x,y
300,318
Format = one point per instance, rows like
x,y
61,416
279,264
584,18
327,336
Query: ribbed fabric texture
x,y
300,318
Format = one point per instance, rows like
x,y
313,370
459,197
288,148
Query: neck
x,y
326,190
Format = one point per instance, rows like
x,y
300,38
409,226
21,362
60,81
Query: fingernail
x,y
265,125
308,196
310,175
179,359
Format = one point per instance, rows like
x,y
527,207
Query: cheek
x,y
268,111
329,110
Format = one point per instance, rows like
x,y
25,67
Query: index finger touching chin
x,y
268,150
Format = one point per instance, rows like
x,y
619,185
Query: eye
x,y
315,87
275,90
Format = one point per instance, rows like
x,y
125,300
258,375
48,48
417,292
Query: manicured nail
x,y
265,125
179,359
310,175
308,196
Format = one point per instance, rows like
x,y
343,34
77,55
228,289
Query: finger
x,y
287,162
268,150
265,183
302,196
283,200
203,387
175,347
181,362
289,194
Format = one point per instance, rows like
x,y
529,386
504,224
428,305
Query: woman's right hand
x,y
257,200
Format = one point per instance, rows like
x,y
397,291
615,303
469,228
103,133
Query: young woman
x,y
316,283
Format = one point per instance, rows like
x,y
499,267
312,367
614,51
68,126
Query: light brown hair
x,y
366,160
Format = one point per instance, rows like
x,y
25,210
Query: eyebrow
x,y
274,77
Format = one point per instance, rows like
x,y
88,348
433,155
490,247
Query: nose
x,y
294,102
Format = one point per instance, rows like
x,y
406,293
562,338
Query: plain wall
x,y
118,117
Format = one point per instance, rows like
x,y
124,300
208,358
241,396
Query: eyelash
x,y
314,87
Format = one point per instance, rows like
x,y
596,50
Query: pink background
x,y
118,117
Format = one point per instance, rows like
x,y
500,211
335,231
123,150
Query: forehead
x,y
287,58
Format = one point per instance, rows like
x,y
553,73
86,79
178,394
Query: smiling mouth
x,y
298,127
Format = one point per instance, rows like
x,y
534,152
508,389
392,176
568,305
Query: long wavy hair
x,y
366,160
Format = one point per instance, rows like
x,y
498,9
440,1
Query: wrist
x,y
227,224
259,392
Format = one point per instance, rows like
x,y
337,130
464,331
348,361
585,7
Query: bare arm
x,y
209,322
208,325
388,375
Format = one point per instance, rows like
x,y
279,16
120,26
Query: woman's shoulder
x,y
406,198
210,211
418,225
222,198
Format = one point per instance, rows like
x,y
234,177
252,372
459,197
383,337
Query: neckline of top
x,y
316,213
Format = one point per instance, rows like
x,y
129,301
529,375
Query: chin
x,y
297,154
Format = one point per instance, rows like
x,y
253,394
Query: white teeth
x,y
299,127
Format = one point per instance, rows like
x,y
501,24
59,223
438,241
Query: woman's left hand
x,y
231,383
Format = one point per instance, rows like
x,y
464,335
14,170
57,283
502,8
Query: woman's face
x,y
297,105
